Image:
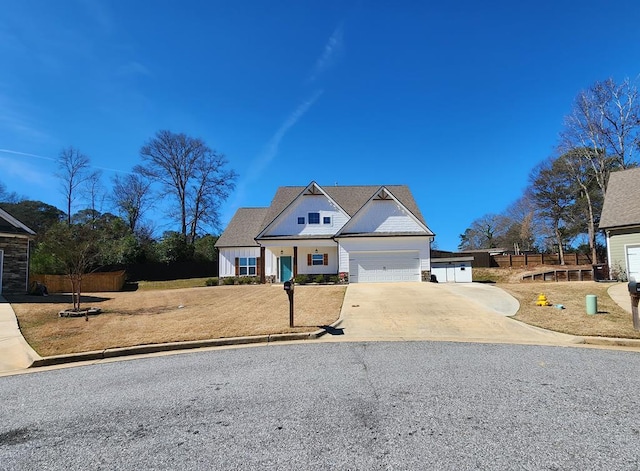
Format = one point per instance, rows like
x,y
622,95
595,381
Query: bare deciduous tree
x,y
94,192
9,197
132,198
73,168
603,129
483,233
191,173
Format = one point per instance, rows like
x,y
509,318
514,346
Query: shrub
x,y
318,279
334,279
248,280
211,282
301,279
229,280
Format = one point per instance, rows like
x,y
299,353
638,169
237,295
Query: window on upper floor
x,y
314,218
326,220
301,220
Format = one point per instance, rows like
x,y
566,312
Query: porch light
x,y
282,252
316,250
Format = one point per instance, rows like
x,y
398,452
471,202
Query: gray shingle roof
x,y
242,228
622,202
247,223
350,198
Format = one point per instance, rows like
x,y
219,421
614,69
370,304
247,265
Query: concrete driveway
x,y
467,312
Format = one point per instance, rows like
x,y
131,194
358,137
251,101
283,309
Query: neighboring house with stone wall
x,y
620,221
15,239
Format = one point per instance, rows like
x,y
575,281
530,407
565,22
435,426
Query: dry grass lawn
x,y
611,320
170,315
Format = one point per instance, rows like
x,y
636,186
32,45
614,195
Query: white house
x,y
363,233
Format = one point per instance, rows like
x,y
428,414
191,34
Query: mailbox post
x,y
634,293
288,287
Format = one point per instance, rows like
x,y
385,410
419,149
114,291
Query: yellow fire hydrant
x,y
542,300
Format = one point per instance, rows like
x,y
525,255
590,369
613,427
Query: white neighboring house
x,y
363,233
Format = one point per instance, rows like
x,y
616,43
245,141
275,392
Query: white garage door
x,y
633,262
372,267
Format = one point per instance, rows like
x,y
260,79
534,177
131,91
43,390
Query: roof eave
x,y
619,226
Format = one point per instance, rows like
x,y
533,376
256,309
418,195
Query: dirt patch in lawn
x,y
610,321
158,316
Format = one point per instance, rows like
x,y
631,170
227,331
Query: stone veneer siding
x,y
15,264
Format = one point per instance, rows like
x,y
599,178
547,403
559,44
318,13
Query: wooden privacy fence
x,y
92,282
528,260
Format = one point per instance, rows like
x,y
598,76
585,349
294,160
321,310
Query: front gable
x,y
384,214
311,213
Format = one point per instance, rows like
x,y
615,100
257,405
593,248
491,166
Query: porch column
x,y
262,270
295,261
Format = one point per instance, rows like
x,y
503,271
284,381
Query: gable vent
x,y
382,195
313,190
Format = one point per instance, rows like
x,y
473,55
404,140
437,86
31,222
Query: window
x,y
247,266
314,218
301,220
318,259
326,220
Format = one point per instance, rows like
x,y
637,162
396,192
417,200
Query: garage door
x,y
372,267
633,262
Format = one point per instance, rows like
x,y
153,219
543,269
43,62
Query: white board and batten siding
x,y
332,261
287,222
227,258
383,216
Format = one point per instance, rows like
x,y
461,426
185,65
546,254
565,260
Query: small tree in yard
x,y
75,252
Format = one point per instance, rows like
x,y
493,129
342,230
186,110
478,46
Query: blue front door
x,y
285,269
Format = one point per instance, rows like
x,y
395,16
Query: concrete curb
x,y
612,342
177,346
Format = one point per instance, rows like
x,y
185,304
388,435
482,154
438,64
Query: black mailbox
x,y
634,293
288,287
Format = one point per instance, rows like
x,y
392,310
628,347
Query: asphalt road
x,y
395,405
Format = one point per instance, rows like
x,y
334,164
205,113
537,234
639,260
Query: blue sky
x,y
458,100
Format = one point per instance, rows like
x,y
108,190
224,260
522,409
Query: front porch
x,y
284,260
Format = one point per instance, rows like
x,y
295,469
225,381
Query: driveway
x,y
467,312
